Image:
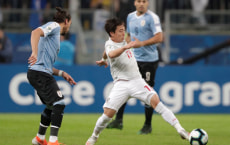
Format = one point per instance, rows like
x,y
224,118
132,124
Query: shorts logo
x,y
147,76
59,94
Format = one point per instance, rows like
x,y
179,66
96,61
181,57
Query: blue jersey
x,y
48,48
143,28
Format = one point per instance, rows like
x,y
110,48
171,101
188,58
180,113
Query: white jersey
x,y
123,67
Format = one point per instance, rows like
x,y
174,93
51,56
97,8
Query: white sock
x,y
166,114
42,137
53,138
178,127
101,123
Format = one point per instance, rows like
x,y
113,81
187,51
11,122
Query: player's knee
x,y
109,112
58,108
154,100
57,115
46,117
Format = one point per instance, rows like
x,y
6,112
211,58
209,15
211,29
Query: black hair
x,y
111,25
61,15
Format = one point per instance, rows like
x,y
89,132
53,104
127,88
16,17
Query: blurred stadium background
x,y
193,76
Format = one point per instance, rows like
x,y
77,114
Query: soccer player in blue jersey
x,y
45,43
144,27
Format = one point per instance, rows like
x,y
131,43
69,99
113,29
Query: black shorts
x,y
46,86
148,71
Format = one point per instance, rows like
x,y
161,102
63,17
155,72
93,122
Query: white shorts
x,y
124,90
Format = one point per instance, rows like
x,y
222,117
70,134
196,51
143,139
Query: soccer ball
x,y
198,137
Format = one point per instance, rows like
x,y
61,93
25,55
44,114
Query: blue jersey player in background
x,y
45,43
143,26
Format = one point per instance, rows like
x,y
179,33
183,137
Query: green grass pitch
x,y
19,129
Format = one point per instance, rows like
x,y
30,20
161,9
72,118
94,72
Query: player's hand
x,y
131,44
138,43
68,78
102,62
32,59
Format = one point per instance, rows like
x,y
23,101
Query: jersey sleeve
x,y
109,48
156,24
49,28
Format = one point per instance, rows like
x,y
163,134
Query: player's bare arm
x,y
65,75
119,51
157,38
35,36
103,60
104,56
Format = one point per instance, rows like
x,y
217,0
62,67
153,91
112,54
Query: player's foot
x,y
146,129
38,141
91,141
184,134
115,124
55,143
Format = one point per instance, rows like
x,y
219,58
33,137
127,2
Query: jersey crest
x,y
143,23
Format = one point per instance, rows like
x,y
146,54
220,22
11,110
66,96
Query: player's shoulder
x,y
51,25
132,14
108,43
151,14
50,28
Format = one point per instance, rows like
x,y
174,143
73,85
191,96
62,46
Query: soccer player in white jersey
x,y
45,43
128,82
144,26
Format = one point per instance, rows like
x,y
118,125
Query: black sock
x,y
148,115
42,130
54,131
56,119
45,121
120,113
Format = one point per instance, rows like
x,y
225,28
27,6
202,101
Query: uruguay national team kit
x,y
144,27
40,74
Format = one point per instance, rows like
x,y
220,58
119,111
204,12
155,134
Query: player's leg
x,y
116,99
44,124
119,115
45,121
147,127
118,122
35,78
50,94
148,72
101,123
168,116
149,96
56,121
56,101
